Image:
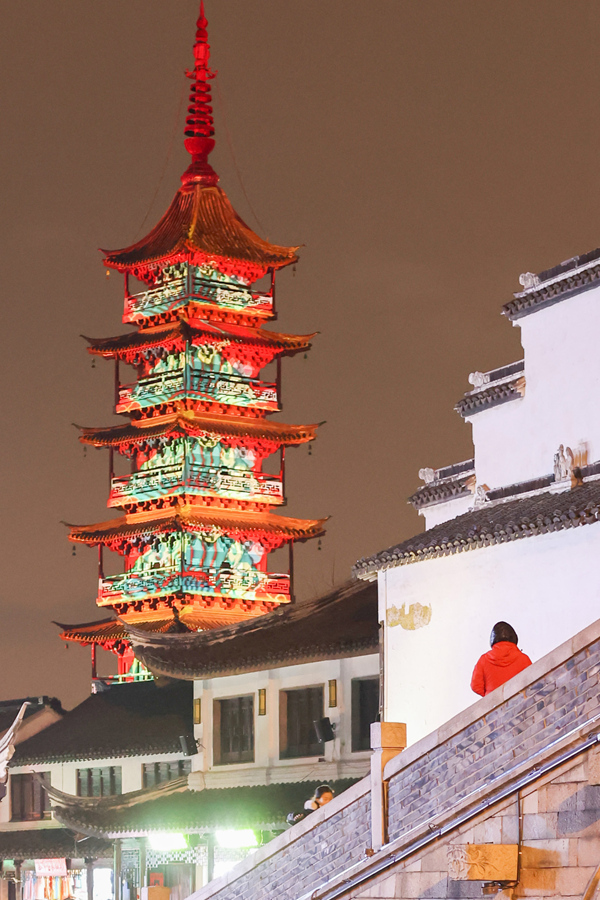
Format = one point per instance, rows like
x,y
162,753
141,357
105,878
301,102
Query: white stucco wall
x,y
442,512
547,587
517,441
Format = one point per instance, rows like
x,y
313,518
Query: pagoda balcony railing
x,y
211,387
128,678
237,584
177,478
193,287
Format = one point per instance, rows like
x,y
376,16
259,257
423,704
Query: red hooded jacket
x,y
497,666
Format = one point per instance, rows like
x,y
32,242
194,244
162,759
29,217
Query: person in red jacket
x,y
500,663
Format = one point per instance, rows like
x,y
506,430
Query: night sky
x,y
424,153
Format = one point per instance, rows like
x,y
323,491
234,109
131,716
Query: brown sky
x,y
426,152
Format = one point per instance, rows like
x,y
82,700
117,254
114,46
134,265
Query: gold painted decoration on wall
x,y
483,862
417,616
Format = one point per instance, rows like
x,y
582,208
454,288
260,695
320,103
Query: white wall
x,y
340,761
547,587
442,512
63,776
517,440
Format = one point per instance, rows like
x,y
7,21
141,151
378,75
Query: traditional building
x,y
510,533
199,510
132,738
227,743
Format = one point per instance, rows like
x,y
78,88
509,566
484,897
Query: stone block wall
x,y
560,849
320,845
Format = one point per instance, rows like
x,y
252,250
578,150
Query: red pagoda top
x,y
201,226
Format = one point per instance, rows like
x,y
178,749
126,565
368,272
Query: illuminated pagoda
x,y
198,516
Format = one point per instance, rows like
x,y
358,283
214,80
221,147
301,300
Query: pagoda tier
x,y
165,619
257,346
203,290
217,458
192,551
113,634
197,528
198,366
229,430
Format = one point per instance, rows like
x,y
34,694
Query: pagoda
x,y
198,512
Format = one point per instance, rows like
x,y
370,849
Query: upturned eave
x,y
202,226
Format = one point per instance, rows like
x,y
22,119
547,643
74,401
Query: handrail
x,y
349,881
196,374
236,390
211,581
201,570
124,679
191,286
195,469
242,481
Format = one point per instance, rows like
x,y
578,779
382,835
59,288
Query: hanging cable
x,y
167,160
223,112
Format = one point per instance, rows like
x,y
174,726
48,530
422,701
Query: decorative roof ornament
x,y
479,379
201,226
199,124
481,496
528,280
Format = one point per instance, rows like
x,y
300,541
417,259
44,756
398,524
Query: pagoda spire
x,y
199,124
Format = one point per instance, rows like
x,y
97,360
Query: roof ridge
x,y
490,524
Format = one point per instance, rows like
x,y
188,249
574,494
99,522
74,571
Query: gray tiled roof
x,y
10,708
257,806
561,285
50,843
492,524
341,624
126,720
477,401
449,482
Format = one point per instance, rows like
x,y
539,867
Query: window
x,y
298,710
158,773
233,730
99,782
28,799
365,710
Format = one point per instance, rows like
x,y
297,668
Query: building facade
x,y
507,532
114,743
501,800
